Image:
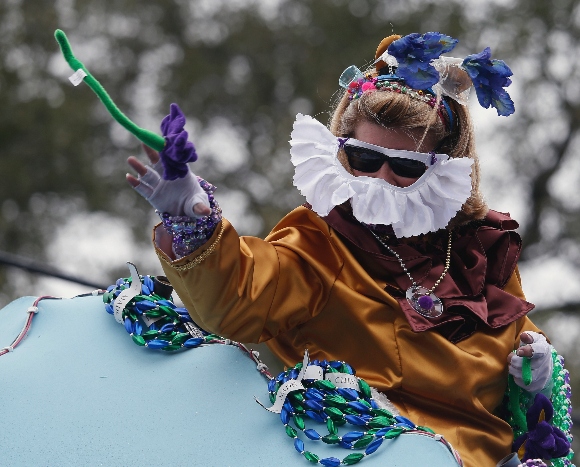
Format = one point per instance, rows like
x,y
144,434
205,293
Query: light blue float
x,y
78,392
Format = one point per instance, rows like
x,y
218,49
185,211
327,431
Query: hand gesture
x,y
180,197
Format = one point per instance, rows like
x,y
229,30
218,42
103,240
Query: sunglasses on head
x,y
369,158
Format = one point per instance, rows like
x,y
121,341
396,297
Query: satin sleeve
x,y
249,289
514,287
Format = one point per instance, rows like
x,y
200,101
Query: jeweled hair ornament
x,y
425,206
416,61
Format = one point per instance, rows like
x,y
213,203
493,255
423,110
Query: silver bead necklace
x,y
423,300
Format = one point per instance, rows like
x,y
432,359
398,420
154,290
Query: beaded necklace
x,y
423,300
328,404
170,328
520,400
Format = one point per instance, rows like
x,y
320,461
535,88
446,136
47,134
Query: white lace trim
x,y
426,206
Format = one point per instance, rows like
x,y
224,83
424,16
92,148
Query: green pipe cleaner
x,y
527,371
151,139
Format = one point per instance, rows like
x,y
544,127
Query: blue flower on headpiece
x,y
414,54
490,77
178,151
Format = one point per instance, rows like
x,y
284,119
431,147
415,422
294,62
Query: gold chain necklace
x,y
423,300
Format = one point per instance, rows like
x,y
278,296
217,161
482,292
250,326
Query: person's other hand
x,y
536,347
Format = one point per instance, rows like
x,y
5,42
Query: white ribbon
x,y
312,372
282,394
128,294
288,387
343,380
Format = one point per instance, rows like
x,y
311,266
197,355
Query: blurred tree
x,y
241,71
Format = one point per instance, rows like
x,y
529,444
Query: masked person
x,y
395,264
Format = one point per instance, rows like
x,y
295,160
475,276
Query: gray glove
x,y
541,364
176,197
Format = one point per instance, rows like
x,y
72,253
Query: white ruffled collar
x,y
425,206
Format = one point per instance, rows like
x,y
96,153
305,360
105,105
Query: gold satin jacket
x,y
303,288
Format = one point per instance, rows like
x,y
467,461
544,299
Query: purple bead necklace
x,y
423,300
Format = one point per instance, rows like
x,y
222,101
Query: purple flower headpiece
x,y
178,151
416,62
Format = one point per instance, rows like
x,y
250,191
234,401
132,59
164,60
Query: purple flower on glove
x,y
490,77
178,151
542,441
414,53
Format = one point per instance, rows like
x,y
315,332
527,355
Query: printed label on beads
x,y
313,372
128,294
282,394
343,380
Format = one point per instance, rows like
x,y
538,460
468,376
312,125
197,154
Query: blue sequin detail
x,y
352,436
405,421
330,462
355,420
316,416
148,283
348,394
284,416
193,342
373,446
313,405
288,406
145,305
299,445
312,434
313,393
128,325
359,406
383,431
272,385
157,344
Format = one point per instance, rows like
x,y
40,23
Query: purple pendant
x,y
424,303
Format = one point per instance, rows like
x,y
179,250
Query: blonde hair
x,y
394,110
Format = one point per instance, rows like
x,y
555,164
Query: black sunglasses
x,y
368,160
